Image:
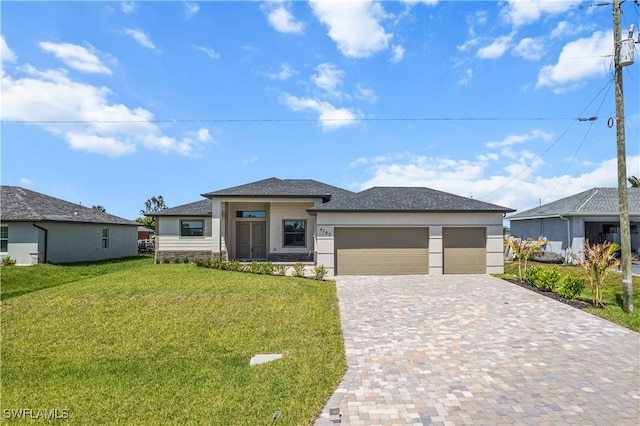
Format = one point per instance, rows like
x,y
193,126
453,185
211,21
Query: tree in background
x,y
634,181
99,208
152,205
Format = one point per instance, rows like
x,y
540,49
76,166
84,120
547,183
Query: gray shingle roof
x,y
407,199
198,208
22,205
274,187
593,202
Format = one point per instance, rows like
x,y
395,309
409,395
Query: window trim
x,y
285,233
105,238
4,239
182,235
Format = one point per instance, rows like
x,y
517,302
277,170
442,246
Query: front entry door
x,y
251,240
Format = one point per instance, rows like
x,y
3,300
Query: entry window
x,y
4,239
261,214
295,233
105,238
191,228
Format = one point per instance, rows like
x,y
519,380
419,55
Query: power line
x,y
289,120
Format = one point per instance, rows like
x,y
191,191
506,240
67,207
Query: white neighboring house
x,y
382,230
37,228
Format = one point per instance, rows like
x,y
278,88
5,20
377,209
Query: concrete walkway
x,y
472,350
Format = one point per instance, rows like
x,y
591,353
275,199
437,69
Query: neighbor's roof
x,y
274,187
593,202
22,205
198,208
407,199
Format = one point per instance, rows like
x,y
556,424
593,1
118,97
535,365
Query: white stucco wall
x,y
72,242
22,243
328,221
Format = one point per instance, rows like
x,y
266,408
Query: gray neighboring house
x,y
37,228
593,214
383,230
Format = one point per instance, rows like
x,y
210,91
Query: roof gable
x,y
274,187
592,202
408,199
22,205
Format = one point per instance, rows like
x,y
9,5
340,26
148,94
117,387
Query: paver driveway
x,y
473,349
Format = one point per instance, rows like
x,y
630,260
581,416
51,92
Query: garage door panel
x,y
377,261
465,261
382,251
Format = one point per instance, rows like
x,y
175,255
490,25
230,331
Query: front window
x,y
251,214
191,228
294,233
105,238
4,239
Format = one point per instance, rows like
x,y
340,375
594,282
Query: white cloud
x,y
578,60
140,37
530,48
191,9
521,12
281,18
250,160
209,51
127,7
83,116
496,48
516,139
26,181
330,117
6,54
354,26
284,73
466,77
398,54
76,57
481,178
329,79
363,93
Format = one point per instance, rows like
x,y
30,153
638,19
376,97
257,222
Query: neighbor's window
x,y
4,239
294,233
191,228
105,237
251,213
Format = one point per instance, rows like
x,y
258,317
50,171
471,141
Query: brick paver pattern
x,y
476,350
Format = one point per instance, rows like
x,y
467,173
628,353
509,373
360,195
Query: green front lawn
x,y
611,294
168,344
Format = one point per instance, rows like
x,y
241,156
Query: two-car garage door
x,y
381,251
404,251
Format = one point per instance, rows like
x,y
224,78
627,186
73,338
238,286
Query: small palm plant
x,y
523,250
599,260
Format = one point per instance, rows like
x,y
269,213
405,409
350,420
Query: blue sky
x,y
111,103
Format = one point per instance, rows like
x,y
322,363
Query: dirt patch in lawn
x,y
579,304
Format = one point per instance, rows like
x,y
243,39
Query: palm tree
x,y
634,181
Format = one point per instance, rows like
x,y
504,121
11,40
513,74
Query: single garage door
x,y
465,250
381,251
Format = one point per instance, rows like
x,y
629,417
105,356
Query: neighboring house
x,y
144,233
377,231
37,228
593,214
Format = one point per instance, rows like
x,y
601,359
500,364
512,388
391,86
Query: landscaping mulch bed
x,y
579,304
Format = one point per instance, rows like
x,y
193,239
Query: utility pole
x,y
625,227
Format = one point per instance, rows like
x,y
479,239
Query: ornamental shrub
x,y
545,278
320,272
298,269
570,286
279,270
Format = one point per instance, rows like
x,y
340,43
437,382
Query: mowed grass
x,y
171,344
611,294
